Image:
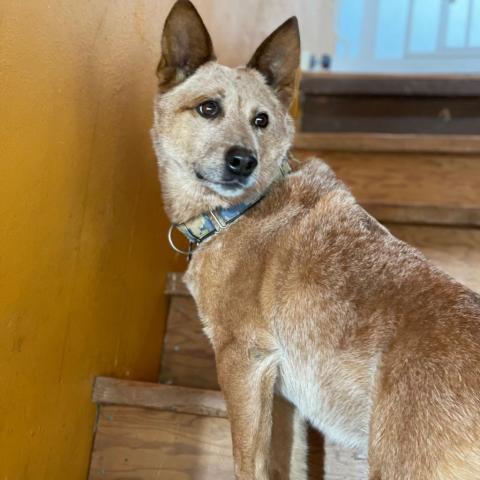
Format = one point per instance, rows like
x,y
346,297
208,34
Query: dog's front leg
x,y
247,377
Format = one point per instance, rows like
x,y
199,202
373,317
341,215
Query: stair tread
x,y
388,142
140,438
196,401
426,188
134,443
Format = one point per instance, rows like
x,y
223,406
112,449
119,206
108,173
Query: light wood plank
x,y
175,285
387,142
344,464
456,251
425,188
139,444
161,397
187,357
133,443
438,215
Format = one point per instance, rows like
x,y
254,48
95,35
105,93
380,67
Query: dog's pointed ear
x,y
186,45
278,59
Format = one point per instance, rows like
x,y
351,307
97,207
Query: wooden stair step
x,y
409,179
151,431
187,356
440,105
196,401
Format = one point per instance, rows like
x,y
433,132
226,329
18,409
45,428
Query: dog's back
x,y
374,345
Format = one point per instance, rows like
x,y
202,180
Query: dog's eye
x,y
260,120
209,109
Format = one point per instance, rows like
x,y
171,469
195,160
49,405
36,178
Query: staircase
x,y
426,190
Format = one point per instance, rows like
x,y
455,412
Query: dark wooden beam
x,y
391,114
326,84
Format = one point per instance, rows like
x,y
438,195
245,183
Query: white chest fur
x,y
329,395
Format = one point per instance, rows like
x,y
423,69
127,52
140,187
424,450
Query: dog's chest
x,y
332,393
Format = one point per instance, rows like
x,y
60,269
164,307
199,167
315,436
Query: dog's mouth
x,y
231,185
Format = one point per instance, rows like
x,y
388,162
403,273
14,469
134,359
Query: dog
x,y
309,302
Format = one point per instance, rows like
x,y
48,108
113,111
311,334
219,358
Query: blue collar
x,y
210,223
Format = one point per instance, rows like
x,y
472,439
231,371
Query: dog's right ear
x,y
278,59
186,45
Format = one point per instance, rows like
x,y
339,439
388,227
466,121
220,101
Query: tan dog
x,y
305,294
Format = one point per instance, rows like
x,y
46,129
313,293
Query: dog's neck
x,y
212,221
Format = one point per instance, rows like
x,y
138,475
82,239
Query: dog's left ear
x,y
186,45
278,59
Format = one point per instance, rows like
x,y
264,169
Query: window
x,y
409,36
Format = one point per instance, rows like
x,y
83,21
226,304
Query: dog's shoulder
x,y
315,176
312,186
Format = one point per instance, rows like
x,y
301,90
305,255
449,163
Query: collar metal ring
x,y
172,244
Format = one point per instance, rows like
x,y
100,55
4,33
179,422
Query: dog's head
x,y
220,133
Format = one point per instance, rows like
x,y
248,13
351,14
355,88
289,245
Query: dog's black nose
x,y
241,162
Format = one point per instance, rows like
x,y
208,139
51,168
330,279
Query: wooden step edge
x,y
195,401
388,142
391,84
416,214
175,285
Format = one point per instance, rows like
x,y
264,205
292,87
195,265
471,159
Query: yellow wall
x,y
83,254
82,234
